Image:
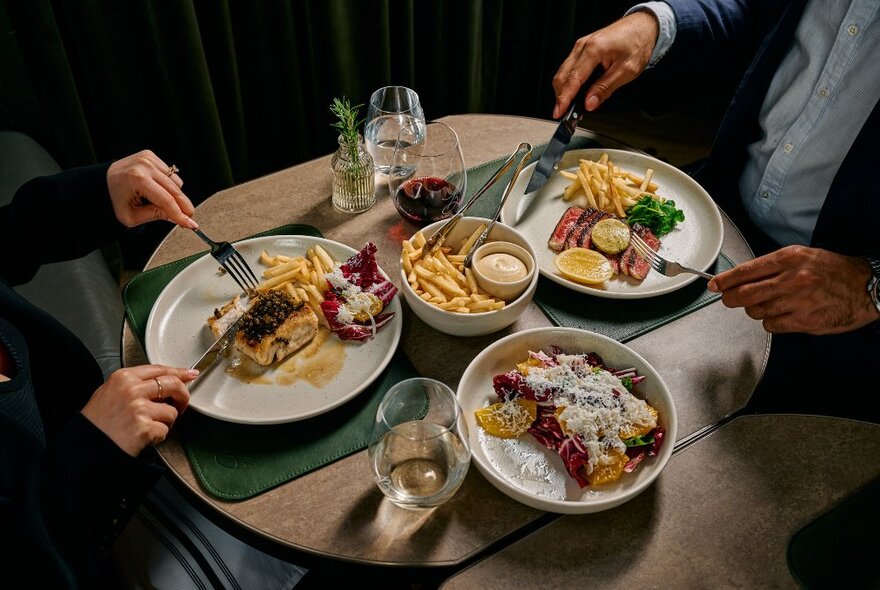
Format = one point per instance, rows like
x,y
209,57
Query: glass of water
x,y
419,446
391,109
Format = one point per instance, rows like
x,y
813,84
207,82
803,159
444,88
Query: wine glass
x,y
427,178
418,446
391,108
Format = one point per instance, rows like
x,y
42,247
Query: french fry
x,y
326,260
605,186
471,239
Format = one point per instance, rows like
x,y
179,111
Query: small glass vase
x,y
353,177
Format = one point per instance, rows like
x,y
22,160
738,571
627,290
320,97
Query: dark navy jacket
x,y
709,34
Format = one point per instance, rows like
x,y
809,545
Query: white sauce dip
x,y
502,267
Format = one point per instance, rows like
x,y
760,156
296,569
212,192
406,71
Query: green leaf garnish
x,y
660,216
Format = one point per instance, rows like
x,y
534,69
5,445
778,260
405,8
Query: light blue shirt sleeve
x,y
666,19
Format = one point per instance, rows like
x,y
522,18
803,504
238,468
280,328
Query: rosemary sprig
x,y
347,125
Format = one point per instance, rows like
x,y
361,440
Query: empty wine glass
x,y
418,446
391,108
427,178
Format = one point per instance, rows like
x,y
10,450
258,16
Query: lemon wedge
x,y
507,419
611,236
583,266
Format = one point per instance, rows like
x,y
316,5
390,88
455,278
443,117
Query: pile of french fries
x,y
301,276
602,185
439,276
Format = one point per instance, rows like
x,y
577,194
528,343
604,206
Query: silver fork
x,y
665,267
232,262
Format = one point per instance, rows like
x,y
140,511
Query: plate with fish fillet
x,y
321,328
628,192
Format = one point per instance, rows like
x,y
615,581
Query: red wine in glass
x,y
427,199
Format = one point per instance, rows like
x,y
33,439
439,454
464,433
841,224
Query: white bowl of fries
x,y
444,295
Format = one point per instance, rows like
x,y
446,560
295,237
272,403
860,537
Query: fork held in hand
x,y
232,262
660,264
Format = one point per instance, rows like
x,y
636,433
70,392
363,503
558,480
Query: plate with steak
x,y
290,359
553,224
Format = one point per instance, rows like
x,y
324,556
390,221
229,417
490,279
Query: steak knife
x,y
549,162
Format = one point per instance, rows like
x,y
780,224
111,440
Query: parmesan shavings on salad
x,y
585,412
356,294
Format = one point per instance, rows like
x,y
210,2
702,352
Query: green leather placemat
x,y
838,549
623,319
237,461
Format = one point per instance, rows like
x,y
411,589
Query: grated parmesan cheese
x,y
596,405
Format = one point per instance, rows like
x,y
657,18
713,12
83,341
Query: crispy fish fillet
x,y
273,326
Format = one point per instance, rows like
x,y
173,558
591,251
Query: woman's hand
x,y
623,49
131,406
800,289
142,190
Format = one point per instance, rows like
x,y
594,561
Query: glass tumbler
x,y
391,108
419,447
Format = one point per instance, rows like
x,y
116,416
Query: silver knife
x,y
549,161
217,349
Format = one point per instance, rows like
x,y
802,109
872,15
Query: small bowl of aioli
x,y
503,269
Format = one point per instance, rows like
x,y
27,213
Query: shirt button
x,y
853,30
787,148
823,91
765,195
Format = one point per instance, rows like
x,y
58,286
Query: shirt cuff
x,y
668,28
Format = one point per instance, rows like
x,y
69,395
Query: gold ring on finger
x,y
160,392
172,170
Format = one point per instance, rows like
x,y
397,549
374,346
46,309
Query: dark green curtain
x,y
231,90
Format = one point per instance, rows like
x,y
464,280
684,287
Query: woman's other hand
x,y
144,188
623,49
136,407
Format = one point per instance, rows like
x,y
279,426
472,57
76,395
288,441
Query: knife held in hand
x,y
217,349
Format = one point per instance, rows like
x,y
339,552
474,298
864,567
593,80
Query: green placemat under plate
x,y
624,319
238,461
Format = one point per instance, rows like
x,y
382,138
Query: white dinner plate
x,y
696,242
177,334
523,468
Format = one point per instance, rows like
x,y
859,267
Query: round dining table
x,y
711,359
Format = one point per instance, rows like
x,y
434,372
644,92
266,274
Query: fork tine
x,y
249,275
647,253
235,266
234,274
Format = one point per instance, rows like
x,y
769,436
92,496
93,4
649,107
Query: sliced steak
x,y
566,224
631,263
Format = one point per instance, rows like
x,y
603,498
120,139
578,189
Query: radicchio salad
x,y
576,406
356,294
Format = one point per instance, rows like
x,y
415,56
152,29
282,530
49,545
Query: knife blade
x,y
556,147
207,360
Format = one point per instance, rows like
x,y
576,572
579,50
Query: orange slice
x,y
639,429
609,472
611,236
583,266
507,419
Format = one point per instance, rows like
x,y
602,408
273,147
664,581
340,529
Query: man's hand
x,y
623,49
800,289
142,190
